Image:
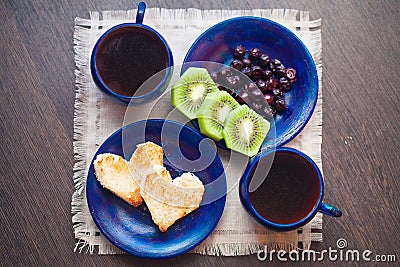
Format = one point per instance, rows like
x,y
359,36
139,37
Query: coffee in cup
x,y
290,193
126,56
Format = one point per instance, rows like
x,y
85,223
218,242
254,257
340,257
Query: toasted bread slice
x,y
113,173
169,201
144,159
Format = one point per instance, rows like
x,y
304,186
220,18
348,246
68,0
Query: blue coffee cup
x,y
289,195
131,62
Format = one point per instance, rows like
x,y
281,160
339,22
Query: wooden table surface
x,y
361,127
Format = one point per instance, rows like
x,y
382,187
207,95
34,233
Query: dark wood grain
x,y
361,129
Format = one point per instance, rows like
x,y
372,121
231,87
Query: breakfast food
x,y
113,173
243,90
239,52
145,178
212,113
188,93
245,130
270,76
169,201
143,160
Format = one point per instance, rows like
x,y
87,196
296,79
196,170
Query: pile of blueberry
x,y
268,75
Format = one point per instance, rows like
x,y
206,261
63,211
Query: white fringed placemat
x,y
96,117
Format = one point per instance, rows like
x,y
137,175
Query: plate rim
x,y
109,237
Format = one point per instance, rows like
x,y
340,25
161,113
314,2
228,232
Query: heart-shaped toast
x,y
145,178
143,160
120,177
113,173
169,200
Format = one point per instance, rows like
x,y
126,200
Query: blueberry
x,y
238,79
276,62
239,52
264,60
246,62
280,71
247,71
225,71
271,84
267,74
256,72
237,64
251,87
272,67
262,84
280,105
269,98
231,81
256,107
291,74
284,84
277,93
256,94
273,111
254,53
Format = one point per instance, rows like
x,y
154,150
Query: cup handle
x,y
140,12
329,210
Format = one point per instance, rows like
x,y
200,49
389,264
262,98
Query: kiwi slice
x,y
245,130
213,112
189,92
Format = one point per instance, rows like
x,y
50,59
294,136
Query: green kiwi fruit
x,y
245,130
213,112
189,92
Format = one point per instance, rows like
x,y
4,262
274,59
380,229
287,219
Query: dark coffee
x,y
289,192
127,57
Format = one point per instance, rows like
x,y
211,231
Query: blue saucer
x,y
132,229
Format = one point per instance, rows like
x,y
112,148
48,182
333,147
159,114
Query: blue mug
x,y
289,195
126,56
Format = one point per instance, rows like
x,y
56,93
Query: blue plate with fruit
x,y
271,57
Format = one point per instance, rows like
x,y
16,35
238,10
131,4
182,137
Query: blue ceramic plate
x,y
132,229
216,45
